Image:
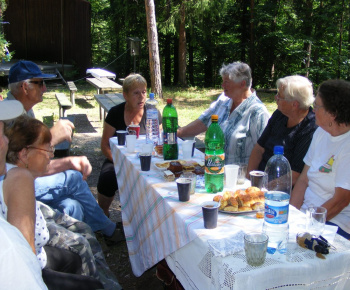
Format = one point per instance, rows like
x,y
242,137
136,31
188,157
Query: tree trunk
x,y
251,46
340,40
182,46
154,63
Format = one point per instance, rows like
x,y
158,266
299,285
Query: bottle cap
x,y
151,96
169,101
214,118
278,150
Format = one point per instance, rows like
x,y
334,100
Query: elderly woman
x,y
242,116
59,266
325,178
291,125
133,110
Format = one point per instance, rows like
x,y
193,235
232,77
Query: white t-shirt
x,y
19,267
329,161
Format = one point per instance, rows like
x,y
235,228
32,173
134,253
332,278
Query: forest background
x,y
195,37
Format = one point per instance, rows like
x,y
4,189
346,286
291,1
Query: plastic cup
x,y
183,188
130,143
193,178
145,160
242,173
187,146
193,147
210,211
255,246
147,148
231,174
316,220
121,134
257,178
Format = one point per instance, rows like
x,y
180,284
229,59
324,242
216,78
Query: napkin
x,y
227,246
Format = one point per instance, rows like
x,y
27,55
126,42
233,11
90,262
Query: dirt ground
x,y
86,141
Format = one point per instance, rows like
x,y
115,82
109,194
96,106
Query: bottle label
x,y
276,214
214,164
170,138
152,114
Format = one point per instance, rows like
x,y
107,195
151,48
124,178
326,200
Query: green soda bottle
x,y
214,157
169,121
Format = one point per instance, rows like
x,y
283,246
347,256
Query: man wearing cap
x,y
64,186
19,267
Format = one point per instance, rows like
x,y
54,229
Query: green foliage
x,y
277,38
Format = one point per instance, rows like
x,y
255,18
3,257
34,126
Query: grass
x,y
189,102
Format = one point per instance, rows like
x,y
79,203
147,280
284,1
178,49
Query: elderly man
x,y
242,116
64,188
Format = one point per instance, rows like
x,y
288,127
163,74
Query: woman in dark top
x,y
118,118
292,125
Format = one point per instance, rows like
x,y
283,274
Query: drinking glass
x,y
316,220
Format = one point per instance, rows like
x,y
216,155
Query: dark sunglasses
x,y
39,83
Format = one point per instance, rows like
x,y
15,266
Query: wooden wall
x,y
50,30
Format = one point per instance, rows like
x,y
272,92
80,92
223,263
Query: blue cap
x,y
151,96
24,70
278,150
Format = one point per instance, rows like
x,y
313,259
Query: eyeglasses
x,y
316,107
52,149
39,83
278,98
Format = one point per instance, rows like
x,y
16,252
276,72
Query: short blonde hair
x,y
297,88
132,80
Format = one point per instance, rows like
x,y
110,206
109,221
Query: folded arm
x,y
79,163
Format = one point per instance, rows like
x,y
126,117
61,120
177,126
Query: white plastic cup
x,y
130,143
187,149
231,174
147,148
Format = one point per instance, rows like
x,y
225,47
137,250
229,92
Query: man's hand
x,y
82,164
62,130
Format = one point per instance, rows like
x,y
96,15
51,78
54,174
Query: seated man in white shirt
x,y
242,116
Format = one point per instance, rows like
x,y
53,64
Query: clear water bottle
x,y
278,182
214,157
170,124
152,122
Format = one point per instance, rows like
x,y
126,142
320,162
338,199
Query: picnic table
x,y
158,226
104,84
107,101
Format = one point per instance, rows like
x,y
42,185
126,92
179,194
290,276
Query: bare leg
x,y
105,202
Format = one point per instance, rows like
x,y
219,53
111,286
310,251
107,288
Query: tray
x,y
238,212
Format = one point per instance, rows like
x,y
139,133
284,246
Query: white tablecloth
x,y
158,226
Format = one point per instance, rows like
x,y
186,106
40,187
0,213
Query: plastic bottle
x,y
214,157
169,121
152,122
278,182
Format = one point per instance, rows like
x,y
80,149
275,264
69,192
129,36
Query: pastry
x,y
198,170
176,168
169,176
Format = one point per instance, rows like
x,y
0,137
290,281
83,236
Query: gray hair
x,y
14,88
132,80
297,88
237,72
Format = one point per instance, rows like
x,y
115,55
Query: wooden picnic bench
x,y
72,89
107,101
64,104
104,84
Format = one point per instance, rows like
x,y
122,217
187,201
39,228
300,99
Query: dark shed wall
x,y
35,31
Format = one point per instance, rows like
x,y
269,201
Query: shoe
x,y
117,237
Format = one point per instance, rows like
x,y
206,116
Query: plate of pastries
x,y
241,201
177,167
